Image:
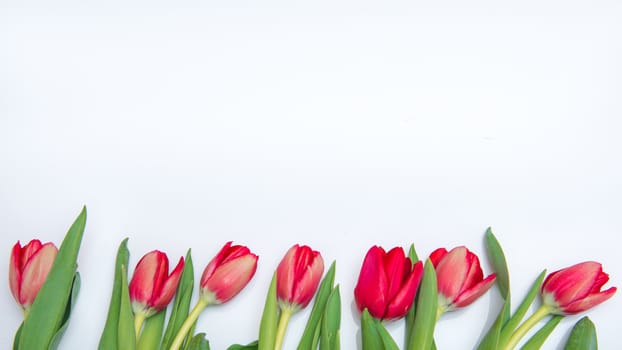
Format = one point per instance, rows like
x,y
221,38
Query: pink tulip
x,y
228,273
387,283
28,268
460,277
151,287
576,288
298,276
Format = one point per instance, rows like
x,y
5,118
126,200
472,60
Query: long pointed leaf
x,y
517,317
198,342
331,322
181,305
267,327
126,334
310,336
108,340
72,301
17,335
491,339
151,334
499,264
47,311
422,336
538,339
410,316
370,337
387,340
583,336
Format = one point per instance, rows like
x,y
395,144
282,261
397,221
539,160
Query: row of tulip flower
x,y
392,285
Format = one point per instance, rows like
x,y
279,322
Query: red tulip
x,y
298,276
28,268
460,277
228,273
387,283
576,288
151,288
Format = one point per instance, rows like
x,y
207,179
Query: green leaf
x,y
47,311
387,340
152,332
269,317
181,305
422,336
514,321
108,340
410,316
16,338
198,342
331,322
126,334
497,259
536,341
249,346
72,301
583,336
370,337
491,339
310,336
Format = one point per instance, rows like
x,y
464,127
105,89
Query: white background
x,y
334,124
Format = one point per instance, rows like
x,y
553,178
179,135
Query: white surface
x,y
338,125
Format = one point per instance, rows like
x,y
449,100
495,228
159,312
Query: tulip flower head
x,y
576,288
460,278
298,276
151,287
228,273
28,268
387,283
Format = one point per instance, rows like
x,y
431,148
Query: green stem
x,y
139,318
286,314
440,310
520,332
190,320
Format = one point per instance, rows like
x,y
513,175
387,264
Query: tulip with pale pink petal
x,y
28,268
459,277
152,287
223,278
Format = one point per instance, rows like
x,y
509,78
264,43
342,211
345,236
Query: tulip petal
x,y
230,278
286,274
474,273
28,251
35,272
15,271
437,255
451,272
572,283
168,288
214,263
476,291
370,291
307,285
403,300
394,268
588,302
142,283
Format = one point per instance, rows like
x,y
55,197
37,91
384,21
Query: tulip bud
x,y
298,276
228,273
388,283
576,288
460,278
28,268
151,288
